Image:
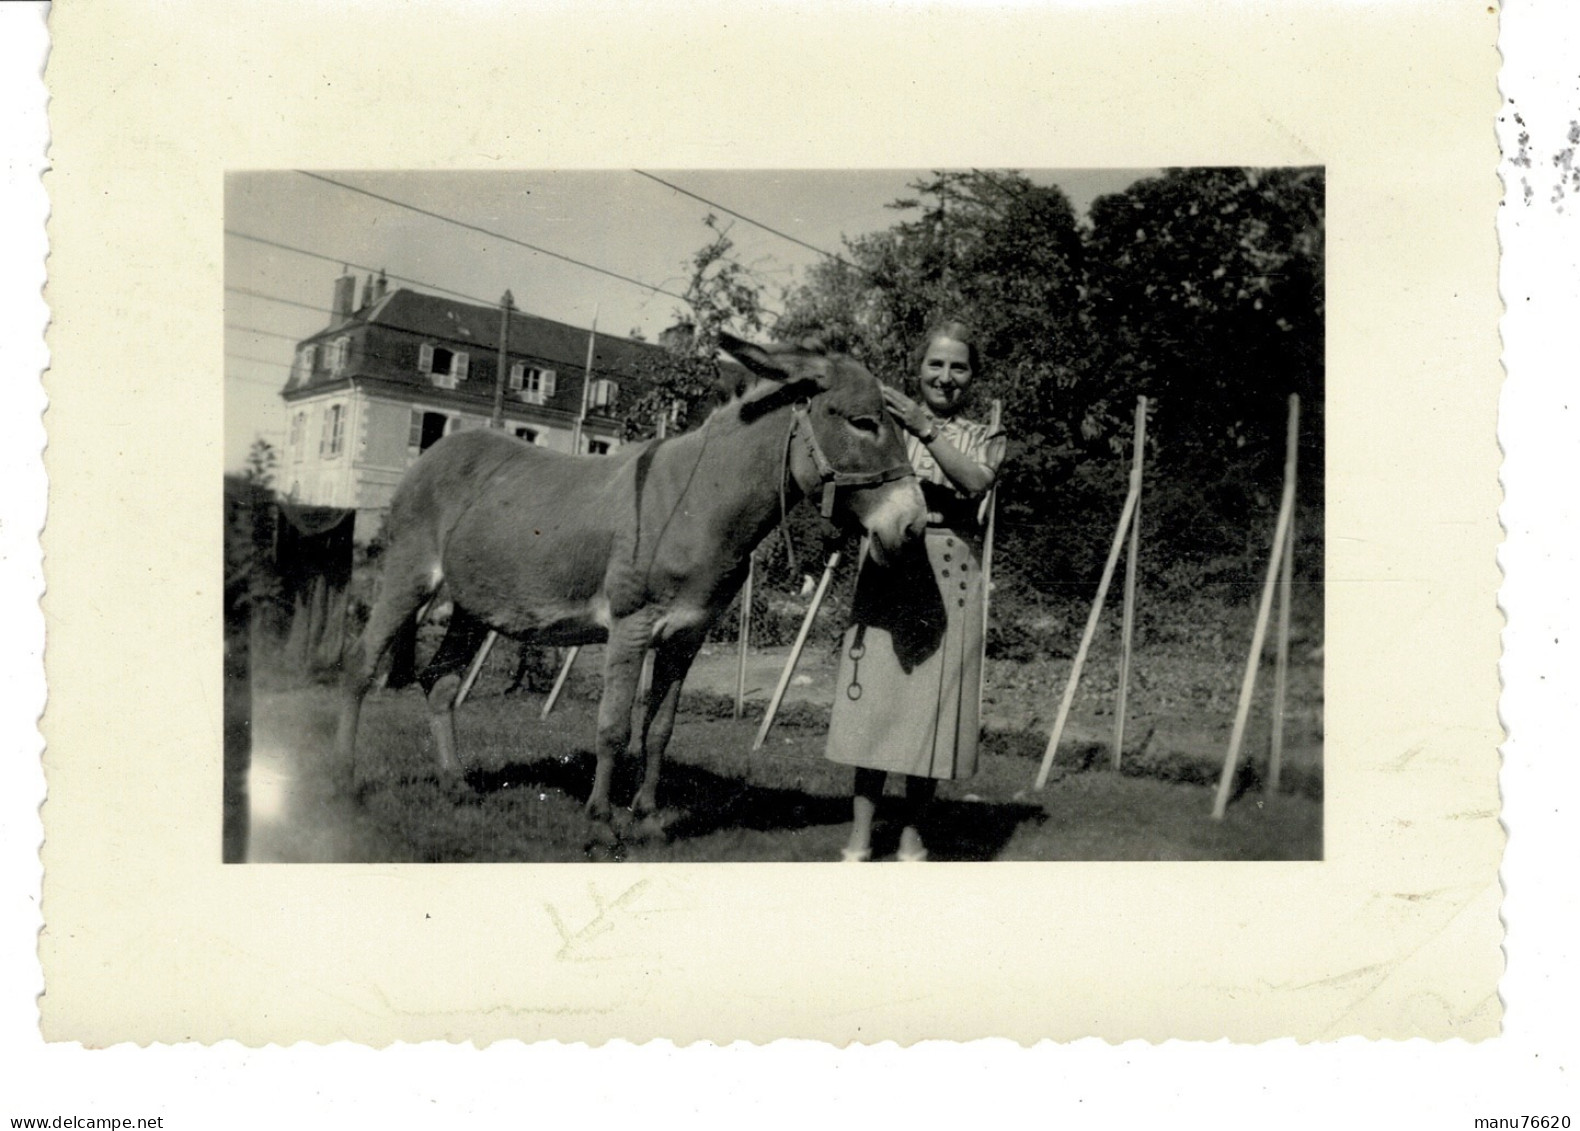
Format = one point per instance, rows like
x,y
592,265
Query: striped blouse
x,y
946,503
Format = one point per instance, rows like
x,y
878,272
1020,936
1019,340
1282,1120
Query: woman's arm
x,y
971,477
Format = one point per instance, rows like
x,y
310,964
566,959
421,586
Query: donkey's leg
x,y
671,662
441,679
410,578
622,669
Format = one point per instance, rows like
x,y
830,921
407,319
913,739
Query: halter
x,y
831,477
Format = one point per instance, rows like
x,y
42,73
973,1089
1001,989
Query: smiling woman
x,y
909,690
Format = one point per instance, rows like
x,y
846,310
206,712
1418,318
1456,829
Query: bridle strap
x,y
830,477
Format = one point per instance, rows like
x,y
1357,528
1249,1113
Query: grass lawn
x,y
522,799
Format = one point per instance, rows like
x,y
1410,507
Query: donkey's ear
x,y
783,361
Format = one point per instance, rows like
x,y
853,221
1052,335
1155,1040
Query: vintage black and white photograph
x,y
931,515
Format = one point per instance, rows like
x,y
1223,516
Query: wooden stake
x,y
1286,508
1086,637
795,652
559,681
995,419
1286,585
743,636
1128,623
476,667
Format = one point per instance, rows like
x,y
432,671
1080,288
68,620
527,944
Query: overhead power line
x,y
265,333
257,361
359,266
754,223
491,234
250,293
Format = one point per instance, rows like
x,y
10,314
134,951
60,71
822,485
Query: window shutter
x,y
425,358
548,383
414,436
323,438
518,373
458,369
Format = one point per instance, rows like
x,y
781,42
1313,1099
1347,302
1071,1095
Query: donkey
x,y
643,549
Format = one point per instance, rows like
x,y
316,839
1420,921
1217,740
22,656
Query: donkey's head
x,y
845,449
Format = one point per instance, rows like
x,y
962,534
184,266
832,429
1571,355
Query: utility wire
x,y
257,360
265,333
749,220
492,234
250,293
359,266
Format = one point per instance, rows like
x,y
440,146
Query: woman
x,y
907,700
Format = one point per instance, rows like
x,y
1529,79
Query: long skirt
x,y
908,698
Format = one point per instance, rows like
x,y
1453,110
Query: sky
x,y
619,221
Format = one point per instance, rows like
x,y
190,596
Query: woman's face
x,y
945,375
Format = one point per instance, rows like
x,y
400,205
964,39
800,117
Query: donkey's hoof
x,y
602,833
649,827
603,853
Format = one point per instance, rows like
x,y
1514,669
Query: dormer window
x,y
338,354
306,359
532,384
604,394
443,366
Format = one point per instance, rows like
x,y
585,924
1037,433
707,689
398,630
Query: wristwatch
x,y
932,432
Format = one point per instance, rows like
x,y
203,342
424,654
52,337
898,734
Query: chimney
x,y
367,294
679,338
345,295
380,285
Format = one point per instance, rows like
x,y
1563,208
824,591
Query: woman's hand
x,y
912,417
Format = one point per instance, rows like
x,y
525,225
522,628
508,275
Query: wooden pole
x,y
559,681
1286,508
1128,624
476,667
995,420
795,652
743,636
581,415
1286,586
497,420
1086,637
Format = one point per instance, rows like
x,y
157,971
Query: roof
x,y
433,316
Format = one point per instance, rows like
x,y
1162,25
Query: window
x,y
306,359
298,434
604,394
530,435
337,354
598,447
427,428
531,384
333,436
444,367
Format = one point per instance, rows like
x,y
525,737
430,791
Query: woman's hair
x,y
957,331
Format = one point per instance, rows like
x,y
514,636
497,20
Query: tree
x,y
1205,292
685,381
262,462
